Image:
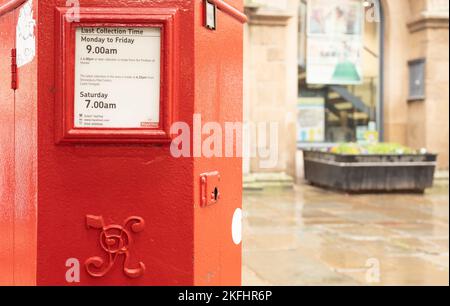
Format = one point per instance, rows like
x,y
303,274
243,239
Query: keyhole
x,y
216,194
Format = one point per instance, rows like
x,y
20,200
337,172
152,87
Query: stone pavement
x,y
310,236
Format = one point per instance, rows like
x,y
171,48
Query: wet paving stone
x,y
311,236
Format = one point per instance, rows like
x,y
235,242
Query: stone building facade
x,y
411,30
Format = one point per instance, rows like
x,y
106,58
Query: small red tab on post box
x,y
14,69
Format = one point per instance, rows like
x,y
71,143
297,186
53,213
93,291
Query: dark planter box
x,y
370,173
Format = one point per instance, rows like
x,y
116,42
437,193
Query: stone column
x,y
428,124
271,87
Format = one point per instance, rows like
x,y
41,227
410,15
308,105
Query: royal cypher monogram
x,y
115,240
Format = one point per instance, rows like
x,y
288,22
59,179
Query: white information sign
x,y
117,77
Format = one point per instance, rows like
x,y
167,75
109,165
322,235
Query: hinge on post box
x,y
14,81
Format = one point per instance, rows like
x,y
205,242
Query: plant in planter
x,y
378,167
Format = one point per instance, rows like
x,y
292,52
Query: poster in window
x,y
335,42
311,120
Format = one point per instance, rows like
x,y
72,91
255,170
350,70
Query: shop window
x,y
340,63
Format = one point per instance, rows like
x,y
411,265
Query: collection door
x,y
7,158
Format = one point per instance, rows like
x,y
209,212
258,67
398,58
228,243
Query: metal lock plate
x,y
210,188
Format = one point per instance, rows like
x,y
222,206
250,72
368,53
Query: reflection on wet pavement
x,y
310,236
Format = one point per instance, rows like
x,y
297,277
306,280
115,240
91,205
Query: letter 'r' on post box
x,y
91,193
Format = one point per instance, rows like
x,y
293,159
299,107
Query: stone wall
x,y
417,29
270,75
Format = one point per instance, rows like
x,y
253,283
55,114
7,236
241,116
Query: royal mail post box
x,y
109,112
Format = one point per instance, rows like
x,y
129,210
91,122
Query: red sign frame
x,y
66,132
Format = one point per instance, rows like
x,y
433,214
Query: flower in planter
x,y
373,149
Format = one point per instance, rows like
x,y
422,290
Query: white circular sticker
x,y
236,226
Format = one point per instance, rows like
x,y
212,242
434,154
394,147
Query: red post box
x,y
92,95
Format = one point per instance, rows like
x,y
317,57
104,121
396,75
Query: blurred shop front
x,y
340,59
333,71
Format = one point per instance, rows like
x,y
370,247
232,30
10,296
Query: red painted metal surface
x,y
48,189
18,163
9,6
230,10
7,162
218,98
26,159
